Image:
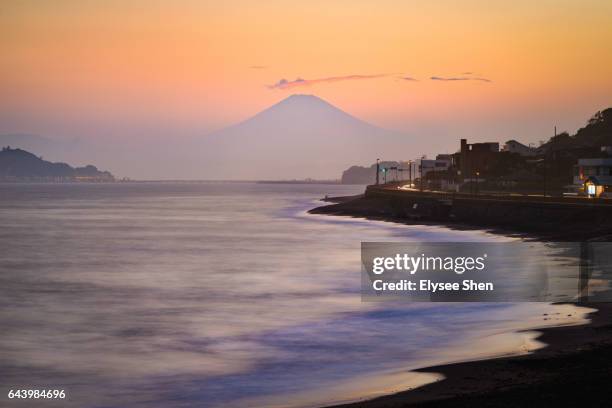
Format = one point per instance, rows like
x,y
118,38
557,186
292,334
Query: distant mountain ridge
x,y
18,164
304,109
301,136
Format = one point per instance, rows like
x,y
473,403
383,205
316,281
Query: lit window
x,y
591,189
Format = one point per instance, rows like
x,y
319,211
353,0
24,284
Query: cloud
x,y
462,78
288,84
258,67
285,84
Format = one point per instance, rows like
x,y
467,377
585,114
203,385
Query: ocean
x,y
220,295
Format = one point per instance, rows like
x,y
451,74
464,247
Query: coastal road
x,y
395,190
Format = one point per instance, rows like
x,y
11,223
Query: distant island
x,y
367,175
20,165
304,181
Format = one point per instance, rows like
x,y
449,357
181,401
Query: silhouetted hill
x,y
29,142
359,175
18,164
365,175
596,133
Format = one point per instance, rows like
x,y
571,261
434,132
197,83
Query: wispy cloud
x,y
461,78
288,84
285,84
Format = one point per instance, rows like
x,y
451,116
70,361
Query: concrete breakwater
x,y
554,218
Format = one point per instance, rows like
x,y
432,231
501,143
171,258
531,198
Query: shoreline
x,y
359,206
384,209
571,370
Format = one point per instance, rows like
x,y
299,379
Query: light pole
x,y
477,186
377,170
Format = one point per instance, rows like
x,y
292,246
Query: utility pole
x,y
545,176
395,172
469,165
544,163
421,174
377,170
410,172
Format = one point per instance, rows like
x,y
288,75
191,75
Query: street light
x,y
377,170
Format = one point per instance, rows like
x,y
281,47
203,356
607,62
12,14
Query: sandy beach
x,y
572,370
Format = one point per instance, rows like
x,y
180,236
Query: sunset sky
x,y
174,69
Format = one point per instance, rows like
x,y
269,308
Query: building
x,y
513,146
435,173
445,157
593,177
441,163
606,150
475,159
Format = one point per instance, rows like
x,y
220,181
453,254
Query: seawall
x,y
553,218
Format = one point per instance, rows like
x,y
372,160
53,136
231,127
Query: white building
x,y
513,146
441,163
594,176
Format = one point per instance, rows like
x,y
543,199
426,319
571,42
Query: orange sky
x,y
129,69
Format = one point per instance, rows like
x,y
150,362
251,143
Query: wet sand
x,y
572,370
